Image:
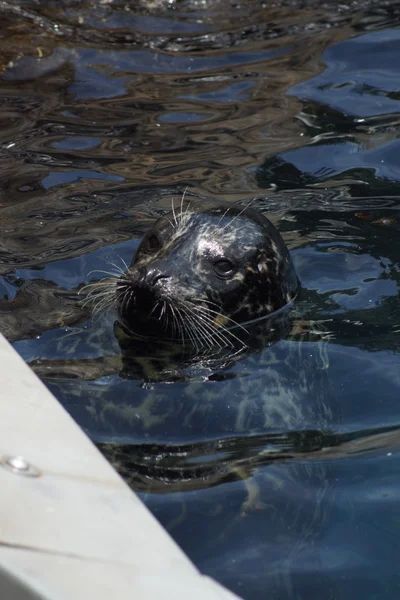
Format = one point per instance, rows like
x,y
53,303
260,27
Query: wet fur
x,y
172,290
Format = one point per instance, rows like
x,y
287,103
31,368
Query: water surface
x,y
110,110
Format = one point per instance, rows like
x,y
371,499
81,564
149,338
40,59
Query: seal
x,y
200,273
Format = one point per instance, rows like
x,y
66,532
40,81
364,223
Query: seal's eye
x,y
153,243
224,268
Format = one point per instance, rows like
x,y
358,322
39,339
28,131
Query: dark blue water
x,y
110,110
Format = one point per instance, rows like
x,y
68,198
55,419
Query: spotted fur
x,y
199,273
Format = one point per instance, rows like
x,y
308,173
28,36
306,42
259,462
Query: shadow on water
x,y
276,470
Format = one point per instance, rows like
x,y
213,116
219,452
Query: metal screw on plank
x,y
19,466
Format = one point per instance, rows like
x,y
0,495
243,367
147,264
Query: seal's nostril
x,y
154,276
158,277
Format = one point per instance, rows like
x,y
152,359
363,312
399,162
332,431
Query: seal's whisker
x,y
122,295
221,315
176,313
98,290
124,263
201,330
183,200
174,330
101,308
119,270
99,287
93,297
178,327
223,332
166,316
106,307
108,273
123,291
173,212
183,329
104,299
238,229
224,214
169,221
208,327
97,301
215,335
128,294
163,311
184,213
99,296
105,282
192,331
239,213
153,309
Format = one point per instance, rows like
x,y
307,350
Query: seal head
x,y
199,273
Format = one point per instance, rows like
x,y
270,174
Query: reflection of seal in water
x,y
200,272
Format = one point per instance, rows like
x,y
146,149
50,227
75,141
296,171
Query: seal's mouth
x,y
142,309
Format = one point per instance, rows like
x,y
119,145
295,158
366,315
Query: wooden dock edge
x,y
70,528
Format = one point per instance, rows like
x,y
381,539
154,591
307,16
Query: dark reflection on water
x,y
107,112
